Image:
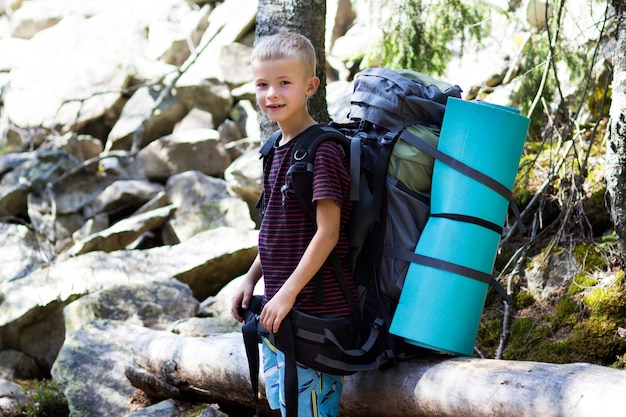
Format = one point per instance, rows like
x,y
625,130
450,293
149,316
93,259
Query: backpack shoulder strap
x,y
303,158
268,147
266,152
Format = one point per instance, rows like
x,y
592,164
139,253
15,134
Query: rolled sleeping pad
x,y
440,306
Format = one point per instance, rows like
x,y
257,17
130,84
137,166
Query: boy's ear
x,y
312,86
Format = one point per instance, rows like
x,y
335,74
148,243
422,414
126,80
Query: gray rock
x,y
90,366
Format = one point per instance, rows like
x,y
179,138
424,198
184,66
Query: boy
x,y
293,247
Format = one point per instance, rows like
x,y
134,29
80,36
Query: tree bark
x,y
616,149
308,18
216,369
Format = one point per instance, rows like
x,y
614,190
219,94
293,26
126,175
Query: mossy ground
x,y
585,321
44,399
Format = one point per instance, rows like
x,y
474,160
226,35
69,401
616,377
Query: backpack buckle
x,y
299,154
389,138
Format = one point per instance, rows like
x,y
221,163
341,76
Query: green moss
x,y
566,313
568,336
527,340
589,257
580,283
488,337
620,363
44,399
595,341
606,301
522,300
196,410
584,325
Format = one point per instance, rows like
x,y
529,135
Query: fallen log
x,y
216,369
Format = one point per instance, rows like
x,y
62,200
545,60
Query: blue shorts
x,y
319,393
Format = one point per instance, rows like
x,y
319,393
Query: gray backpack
x,y
391,142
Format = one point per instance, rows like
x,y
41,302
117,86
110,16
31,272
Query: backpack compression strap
x,y
457,165
486,180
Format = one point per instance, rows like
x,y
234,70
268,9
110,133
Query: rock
x,y
31,317
203,203
151,304
196,149
10,395
122,233
149,114
18,365
195,119
122,194
89,368
97,51
20,252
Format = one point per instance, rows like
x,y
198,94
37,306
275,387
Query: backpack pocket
x,y
407,213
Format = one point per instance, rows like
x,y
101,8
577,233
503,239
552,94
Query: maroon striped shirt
x,y
286,233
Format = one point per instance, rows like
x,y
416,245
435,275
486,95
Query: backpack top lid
x,y
395,99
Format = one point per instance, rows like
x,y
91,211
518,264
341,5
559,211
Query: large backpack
x,y
391,141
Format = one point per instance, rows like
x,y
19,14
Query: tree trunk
x,y
307,17
616,149
216,369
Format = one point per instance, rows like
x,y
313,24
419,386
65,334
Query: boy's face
x,y
282,88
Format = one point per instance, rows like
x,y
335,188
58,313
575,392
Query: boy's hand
x,y
241,300
275,311
242,297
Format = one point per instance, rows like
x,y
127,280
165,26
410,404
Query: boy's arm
x,y
328,216
244,294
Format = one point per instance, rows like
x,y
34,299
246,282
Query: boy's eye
x,y
285,82
261,85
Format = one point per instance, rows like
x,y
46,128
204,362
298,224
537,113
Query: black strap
x,y
455,164
285,333
250,341
303,158
343,284
380,176
470,219
355,166
412,257
486,180
266,152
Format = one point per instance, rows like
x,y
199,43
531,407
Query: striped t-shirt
x,y
286,231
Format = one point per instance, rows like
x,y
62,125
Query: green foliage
x,y
44,400
536,74
534,63
417,33
607,301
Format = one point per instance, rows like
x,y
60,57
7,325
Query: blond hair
x,y
286,45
